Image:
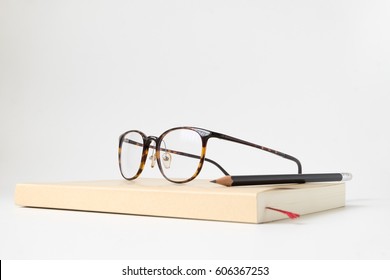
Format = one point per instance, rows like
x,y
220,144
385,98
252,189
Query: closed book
x,y
199,199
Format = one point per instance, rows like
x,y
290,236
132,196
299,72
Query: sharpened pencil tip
x,y
225,181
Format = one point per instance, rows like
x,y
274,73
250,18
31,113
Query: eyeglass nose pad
x,y
166,159
153,160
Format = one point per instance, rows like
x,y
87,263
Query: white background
x,y
310,78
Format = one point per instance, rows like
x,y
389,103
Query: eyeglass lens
x,y
180,153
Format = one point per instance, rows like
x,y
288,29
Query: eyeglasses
x,y
180,152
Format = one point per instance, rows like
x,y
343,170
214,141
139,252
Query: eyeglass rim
x,y
158,140
201,159
141,164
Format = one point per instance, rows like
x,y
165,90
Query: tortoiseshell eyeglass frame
x,y
205,135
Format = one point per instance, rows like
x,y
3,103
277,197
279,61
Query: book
x,y
198,199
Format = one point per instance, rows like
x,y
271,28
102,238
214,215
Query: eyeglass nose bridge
x,y
154,155
147,144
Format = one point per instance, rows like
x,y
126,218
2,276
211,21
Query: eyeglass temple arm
x,y
180,153
236,140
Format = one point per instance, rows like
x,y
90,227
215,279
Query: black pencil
x,y
243,180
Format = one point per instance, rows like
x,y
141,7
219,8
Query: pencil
x,y
242,180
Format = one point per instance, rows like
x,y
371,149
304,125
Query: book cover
x,y
199,199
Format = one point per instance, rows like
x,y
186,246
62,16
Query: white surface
x,y
307,78
360,230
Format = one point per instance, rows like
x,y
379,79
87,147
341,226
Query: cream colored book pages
x,y
301,199
198,199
